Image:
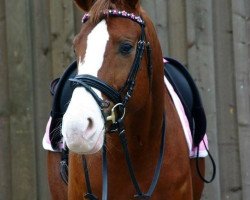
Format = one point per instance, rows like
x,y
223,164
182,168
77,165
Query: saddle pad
x,y
185,125
183,118
187,91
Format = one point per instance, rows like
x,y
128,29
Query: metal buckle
x,y
113,116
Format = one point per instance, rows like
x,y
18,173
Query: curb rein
x,y
88,81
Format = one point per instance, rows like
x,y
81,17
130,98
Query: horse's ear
x,y
85,4
133,3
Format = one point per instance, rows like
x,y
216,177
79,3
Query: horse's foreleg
x,y
197,183
76,184
58,188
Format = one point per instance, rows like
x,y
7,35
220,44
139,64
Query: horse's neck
x,y
144,127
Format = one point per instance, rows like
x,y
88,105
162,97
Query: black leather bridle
x,y
118,111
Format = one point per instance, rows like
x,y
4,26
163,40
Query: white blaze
x,y
96,46
83,124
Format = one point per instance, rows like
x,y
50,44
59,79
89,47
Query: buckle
x,y
113,117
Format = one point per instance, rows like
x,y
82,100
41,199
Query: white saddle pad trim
x,y
185,125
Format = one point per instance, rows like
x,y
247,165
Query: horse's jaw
x,y
83,124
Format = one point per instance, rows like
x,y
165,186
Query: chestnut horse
x,y
153,144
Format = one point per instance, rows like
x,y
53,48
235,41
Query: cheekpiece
x,y
118,13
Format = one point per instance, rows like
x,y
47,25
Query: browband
x,y
117,13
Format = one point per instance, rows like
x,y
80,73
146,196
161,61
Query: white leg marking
x,y
83,124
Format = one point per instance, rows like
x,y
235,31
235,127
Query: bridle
x,y
118,111
89,81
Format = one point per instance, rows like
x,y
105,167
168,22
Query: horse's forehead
x,y
116,26
92,40
96,44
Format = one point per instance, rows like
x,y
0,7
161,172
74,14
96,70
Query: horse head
x,y
113,47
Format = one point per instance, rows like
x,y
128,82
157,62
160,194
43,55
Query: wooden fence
x,y
212,38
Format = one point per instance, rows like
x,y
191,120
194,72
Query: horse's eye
x,y
125,48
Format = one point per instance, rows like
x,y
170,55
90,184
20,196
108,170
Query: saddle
x,y
188,93
61,89
175,72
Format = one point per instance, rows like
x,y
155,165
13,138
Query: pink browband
x,y
118,13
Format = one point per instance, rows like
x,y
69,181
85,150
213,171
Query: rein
x,y
118,111
139,194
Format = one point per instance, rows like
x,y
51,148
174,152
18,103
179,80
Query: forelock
x,y
97,9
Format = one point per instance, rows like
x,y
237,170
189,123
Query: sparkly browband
x,y
118,13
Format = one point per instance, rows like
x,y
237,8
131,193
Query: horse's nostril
x,y
90,124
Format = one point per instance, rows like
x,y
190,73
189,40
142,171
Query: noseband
x,y
118,111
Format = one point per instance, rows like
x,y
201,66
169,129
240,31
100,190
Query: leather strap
x,y
198,167
89,195
104,172
139,194
87,81
130,83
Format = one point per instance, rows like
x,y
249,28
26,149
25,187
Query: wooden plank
x,y
42,77
78,14
157,10
150,7
63,32
161,25
201,64
241,30
177,30
230,177
218,60
5,164
23,161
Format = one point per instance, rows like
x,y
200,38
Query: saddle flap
x,y
188,93
62,90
